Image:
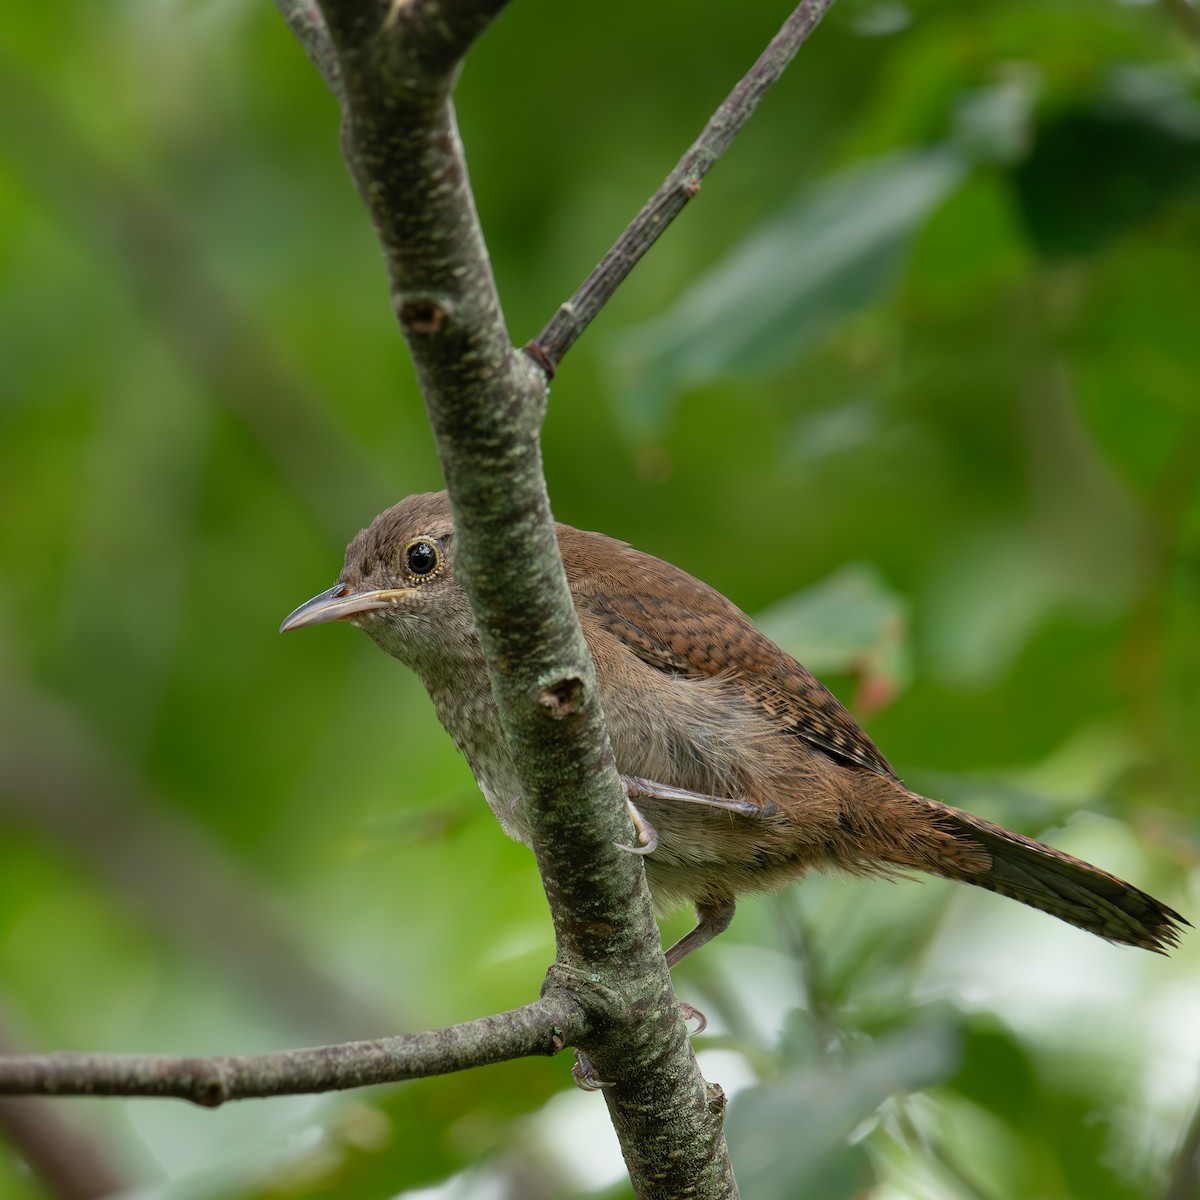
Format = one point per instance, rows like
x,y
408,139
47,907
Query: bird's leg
x,y
711,919
637,787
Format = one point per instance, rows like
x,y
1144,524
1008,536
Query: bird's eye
x,y
422,557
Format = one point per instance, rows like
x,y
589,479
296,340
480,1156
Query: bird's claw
x,y
689,1013
647,834
587,1078
648,849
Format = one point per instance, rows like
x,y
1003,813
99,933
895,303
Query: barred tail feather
x,y
1058,884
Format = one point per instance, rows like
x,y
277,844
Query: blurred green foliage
x,y
919,371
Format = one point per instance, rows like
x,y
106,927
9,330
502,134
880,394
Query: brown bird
x,y
741,770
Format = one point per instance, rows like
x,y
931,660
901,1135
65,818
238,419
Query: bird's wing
x,y
676,623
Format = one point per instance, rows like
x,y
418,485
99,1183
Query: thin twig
x,y
678,188
305,20
541,1028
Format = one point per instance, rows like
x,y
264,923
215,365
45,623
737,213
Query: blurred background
x,y
916,379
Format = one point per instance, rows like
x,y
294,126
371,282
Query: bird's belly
x,y
696,740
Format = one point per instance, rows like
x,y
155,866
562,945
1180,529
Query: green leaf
x,y
849,623
792,1136
1110,163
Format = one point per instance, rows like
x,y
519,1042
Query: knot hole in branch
x,y
563,697
423,316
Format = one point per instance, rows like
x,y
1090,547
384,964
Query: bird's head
x,y
398,585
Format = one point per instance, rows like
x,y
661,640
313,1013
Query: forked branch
x,y
392,65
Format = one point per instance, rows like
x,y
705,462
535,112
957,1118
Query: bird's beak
x,y
340,602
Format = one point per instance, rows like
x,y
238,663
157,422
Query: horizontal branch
x,y
564,328
541,1028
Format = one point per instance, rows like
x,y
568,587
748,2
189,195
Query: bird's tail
x,y
990,856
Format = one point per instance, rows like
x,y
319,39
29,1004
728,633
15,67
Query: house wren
x,y
740,768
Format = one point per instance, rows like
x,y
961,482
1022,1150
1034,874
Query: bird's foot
x,y
689,1013
587,1078
646,833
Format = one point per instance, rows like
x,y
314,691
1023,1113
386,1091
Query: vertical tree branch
x,y
486,403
